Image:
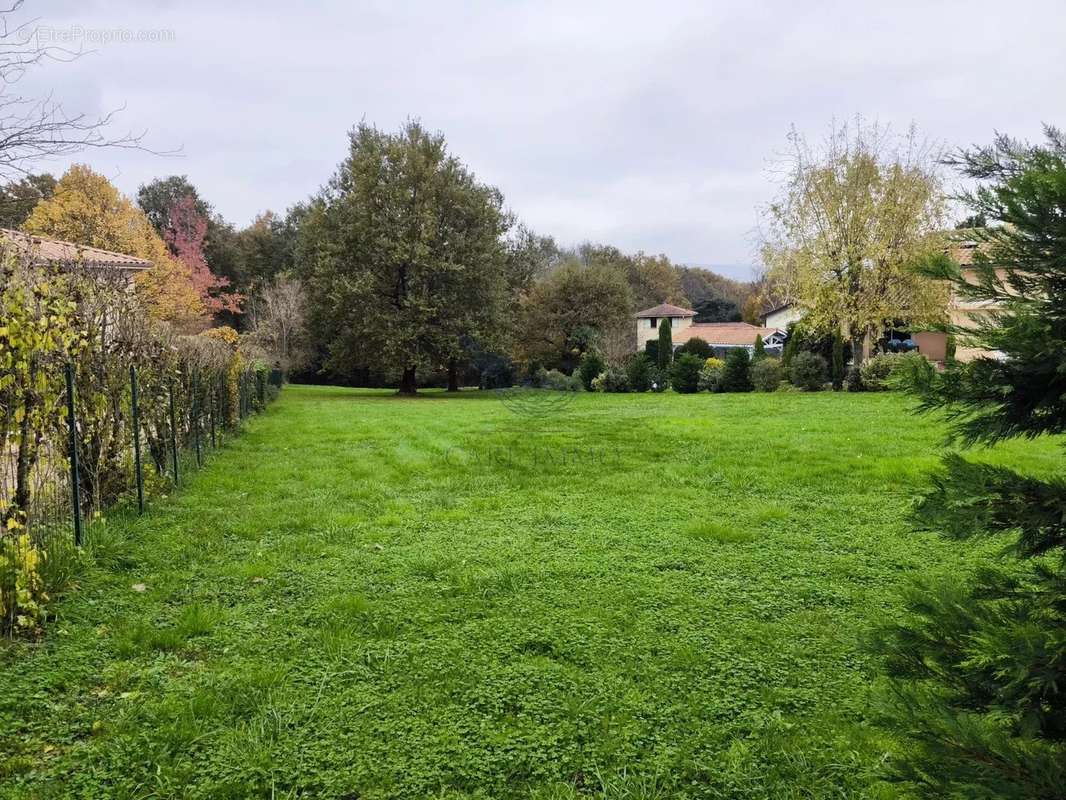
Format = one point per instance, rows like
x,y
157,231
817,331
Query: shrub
x,y
767,374
592,364
685,373
711,377
736,374
561,382
638,373
22,601
713,362
884,371
611,380
853,380
651,350
497,374
660,380
875,371
697,347
808,371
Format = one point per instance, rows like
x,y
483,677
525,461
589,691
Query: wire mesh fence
x,y
112,446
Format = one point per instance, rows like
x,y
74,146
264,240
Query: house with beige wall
x,y
720,335
649,320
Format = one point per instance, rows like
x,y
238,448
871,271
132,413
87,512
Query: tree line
x,y
403,268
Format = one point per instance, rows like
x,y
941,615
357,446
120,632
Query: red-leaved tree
x,y
184,235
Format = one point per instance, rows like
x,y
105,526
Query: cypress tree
x,y
666,345
791,345
759,350
978,664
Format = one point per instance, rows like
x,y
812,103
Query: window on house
x,y
654,322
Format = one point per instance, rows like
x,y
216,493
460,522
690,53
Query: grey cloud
x,y
649,127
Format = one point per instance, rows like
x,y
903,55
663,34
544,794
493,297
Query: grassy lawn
x,y
370,597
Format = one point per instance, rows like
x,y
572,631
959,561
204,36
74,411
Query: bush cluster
x,y
809,371
736,374
611,379
561,382
767,374
689,372
884,371
685,373
592,364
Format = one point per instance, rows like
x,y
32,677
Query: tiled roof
x,y
52,251
665,310
723,333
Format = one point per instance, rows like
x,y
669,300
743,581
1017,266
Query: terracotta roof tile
x,y
49,251
665,310
723,333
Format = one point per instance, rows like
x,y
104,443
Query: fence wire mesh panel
x,y
113,442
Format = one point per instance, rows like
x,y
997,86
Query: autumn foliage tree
x,y
186,229
88,210
852,218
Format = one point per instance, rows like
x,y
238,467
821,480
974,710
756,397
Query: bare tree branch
x,y
33,129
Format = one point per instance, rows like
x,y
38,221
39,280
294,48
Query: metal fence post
x,y
173,433
136,407
260,381
75,478
213,395
196,418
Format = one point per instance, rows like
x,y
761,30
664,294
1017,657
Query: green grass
x,y
370,597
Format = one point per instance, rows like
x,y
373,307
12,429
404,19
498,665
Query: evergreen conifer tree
x,y
978,665
665,352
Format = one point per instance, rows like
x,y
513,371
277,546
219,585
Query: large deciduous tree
x,y
157,197
18,198
651,279
576,307
852,217
88,210
979,664
404,250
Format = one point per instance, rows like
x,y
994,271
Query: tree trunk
x,y
856,349
407,381
838,362
453,376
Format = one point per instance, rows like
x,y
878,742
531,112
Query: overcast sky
x,y
650,126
